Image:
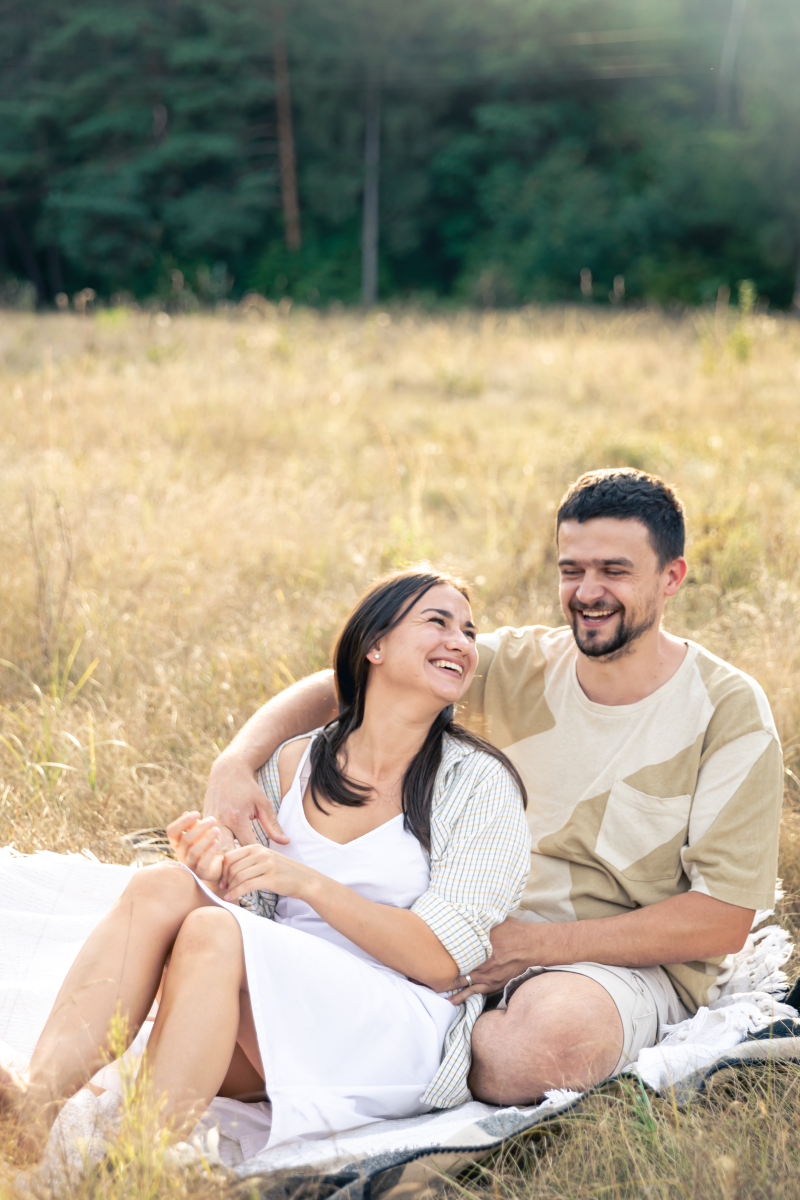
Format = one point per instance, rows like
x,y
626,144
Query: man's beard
x,y
620,643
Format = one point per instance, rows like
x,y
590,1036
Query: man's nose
x,y
590,588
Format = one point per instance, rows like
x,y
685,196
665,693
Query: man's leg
x,y
560,1030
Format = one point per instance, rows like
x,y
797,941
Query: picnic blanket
x,y
49,903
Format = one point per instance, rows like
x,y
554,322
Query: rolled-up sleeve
x,y
480,858
263,903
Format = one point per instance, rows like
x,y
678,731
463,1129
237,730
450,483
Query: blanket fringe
x,y
758,967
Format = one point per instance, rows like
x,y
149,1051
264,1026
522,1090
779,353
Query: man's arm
x,y
685,928
233,796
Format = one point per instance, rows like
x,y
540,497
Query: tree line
x,y
487,151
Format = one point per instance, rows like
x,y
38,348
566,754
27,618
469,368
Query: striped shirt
x,y
479,860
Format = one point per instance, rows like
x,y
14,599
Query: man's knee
x,y
560,1030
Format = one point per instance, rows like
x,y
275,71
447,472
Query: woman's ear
x,y
374,654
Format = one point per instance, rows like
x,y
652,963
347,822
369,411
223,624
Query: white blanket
x,y
49,903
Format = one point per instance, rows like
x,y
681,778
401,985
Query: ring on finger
x,y
469,980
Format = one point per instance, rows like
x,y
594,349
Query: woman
x,y
406,843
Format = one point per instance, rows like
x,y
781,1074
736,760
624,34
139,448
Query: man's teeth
x,y
602,612
451,666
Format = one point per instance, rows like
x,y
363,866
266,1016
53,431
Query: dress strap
x,y
296,789
304,770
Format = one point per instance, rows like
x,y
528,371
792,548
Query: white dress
x,y
344,1040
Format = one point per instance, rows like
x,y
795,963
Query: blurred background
x,y
291,294
489,152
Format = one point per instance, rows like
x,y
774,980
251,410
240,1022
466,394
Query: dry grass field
x,y
191,504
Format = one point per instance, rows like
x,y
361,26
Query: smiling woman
x,y
403,843
411,648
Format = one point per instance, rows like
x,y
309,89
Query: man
x,y
654,775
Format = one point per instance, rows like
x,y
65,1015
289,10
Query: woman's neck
x,y
385,743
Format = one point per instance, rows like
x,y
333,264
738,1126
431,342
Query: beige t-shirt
x,y
634,803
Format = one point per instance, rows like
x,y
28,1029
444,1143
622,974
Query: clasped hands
x,y
233,873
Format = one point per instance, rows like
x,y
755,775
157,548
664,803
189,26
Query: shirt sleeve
x,y
732,847
263,903
472,708
478,875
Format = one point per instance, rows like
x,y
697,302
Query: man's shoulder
x,y
507,699
528,647
736,697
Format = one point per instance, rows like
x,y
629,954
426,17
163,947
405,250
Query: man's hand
x,y
684,928
233,796
511,955
197,845
235,799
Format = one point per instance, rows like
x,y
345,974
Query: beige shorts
x,y
644,997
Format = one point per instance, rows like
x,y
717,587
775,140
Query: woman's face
x,y
432,651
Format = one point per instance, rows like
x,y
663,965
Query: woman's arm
x,y
477,876
395,936
480,859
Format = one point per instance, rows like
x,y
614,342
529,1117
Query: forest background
x,y
510,150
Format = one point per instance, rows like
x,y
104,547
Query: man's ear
x,y
675,573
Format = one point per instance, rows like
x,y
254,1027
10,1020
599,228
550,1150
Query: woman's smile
x,y
448,664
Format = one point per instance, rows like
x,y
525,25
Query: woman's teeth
x,y
450,666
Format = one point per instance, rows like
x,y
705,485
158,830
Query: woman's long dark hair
x,y
382,607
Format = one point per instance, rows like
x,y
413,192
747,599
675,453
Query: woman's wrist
x,y
316,890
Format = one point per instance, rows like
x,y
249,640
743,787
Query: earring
x,y
377,653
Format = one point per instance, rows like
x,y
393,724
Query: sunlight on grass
x,y
191,509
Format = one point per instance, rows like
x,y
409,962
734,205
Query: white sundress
x,y
344,1040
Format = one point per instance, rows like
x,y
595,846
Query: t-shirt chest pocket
x,y
638,832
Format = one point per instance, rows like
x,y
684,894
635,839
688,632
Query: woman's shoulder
x,y
466,762
288,757
474,791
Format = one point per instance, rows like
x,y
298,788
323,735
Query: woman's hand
x,y
196,843
255,868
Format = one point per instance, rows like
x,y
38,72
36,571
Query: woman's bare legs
x,y
118,970
245,1076
203,1014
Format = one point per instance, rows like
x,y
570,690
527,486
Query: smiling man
x,y
654,778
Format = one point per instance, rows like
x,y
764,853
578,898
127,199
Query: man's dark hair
x,y
628,495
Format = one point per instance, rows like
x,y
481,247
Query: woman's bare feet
x,y
26,1112
12,1085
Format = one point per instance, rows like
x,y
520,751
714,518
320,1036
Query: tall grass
x,y
190,506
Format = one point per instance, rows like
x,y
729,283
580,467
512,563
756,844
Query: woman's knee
x,y
210,929
165,889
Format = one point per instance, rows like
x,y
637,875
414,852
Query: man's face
x,y
612,590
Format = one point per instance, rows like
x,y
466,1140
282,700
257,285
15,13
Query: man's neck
x,y
649,664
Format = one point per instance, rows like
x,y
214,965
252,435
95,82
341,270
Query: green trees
x,y
521,141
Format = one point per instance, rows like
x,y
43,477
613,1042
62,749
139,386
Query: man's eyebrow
x,y
443,612
597,562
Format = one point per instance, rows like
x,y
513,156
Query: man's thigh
x,y
568,1027
643,997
